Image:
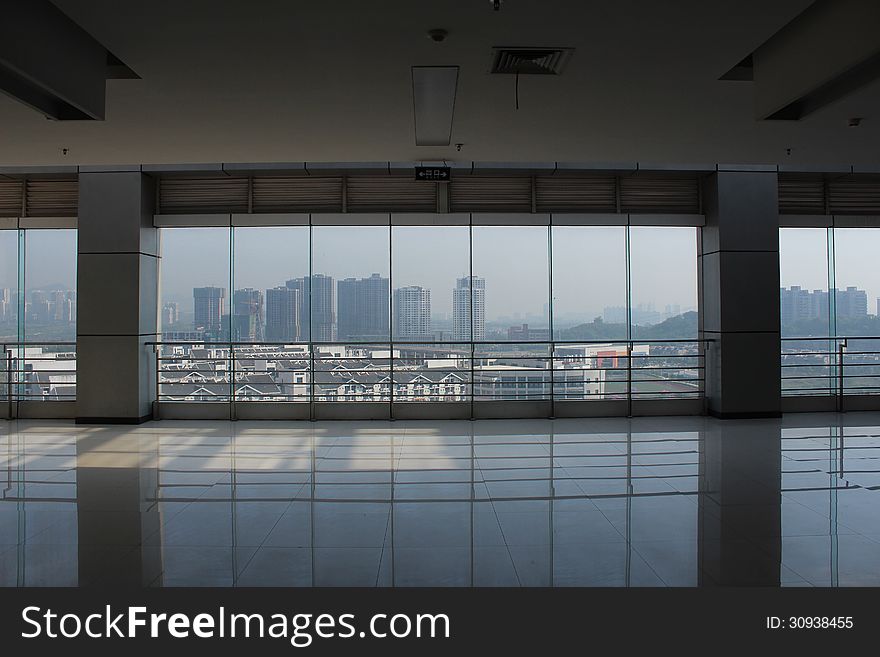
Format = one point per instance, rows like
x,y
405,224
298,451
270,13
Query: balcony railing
x,y
438,372
831,366
37,371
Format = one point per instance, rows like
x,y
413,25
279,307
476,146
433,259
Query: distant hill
x,y
679,327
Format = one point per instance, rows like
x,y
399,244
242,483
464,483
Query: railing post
x,y
311,382
8,353
841,354
629,398
156,350
232,415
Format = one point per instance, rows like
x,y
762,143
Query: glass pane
x,y
511,290
50,285
194,302
269,304
350,305
857,280
428,262
195,273
512,263
589,283
803,277
8,287
666,360
807,365
8,310
47,369
351,291
663,270
856,303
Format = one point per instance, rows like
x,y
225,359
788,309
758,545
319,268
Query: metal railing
x,y
837,366
403,372
37,371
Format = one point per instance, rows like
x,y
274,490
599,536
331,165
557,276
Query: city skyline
x,y
589,264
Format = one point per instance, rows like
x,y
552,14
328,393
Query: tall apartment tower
x,y
247,315
412,312
852,303
363,308
469,289
209,306
170,313
283,312
317,317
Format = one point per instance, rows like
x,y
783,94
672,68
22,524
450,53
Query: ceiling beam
x,y
51,64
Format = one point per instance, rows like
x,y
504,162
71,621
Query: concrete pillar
x,y
739,293
117,276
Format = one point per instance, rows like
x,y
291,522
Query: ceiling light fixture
x,y
434,90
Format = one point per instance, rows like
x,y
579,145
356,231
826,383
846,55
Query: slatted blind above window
x,y
854,195
51,198
650,192
837,194
297,194
575,193
10,198
195,195
801,193
490,194
390,193
569,192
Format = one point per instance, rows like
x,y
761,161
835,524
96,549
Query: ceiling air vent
x,y
530,61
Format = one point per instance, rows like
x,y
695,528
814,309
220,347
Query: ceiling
x,y
283,81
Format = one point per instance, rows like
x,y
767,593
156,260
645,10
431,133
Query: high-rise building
x,y
363,308
797,304
317,317
412,312
209,305
6,305
852,303
283,312
469,290
247,315
170,313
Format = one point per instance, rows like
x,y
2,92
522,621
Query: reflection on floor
x,y
607,502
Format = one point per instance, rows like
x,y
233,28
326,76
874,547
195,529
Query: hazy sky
x,y
803,258
590,267
50,257
590,263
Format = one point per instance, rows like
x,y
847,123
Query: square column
x,y
739,293
117,280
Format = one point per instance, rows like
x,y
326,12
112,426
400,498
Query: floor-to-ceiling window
x,y
194,317
475,311
38,314
829,293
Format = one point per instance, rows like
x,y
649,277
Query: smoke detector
x,y
530,61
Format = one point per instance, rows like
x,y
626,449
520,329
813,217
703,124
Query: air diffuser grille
x,y
530,61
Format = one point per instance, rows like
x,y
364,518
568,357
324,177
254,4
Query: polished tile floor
x,y
603,502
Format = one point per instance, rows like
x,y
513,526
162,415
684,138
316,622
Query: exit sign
x,y
433,174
